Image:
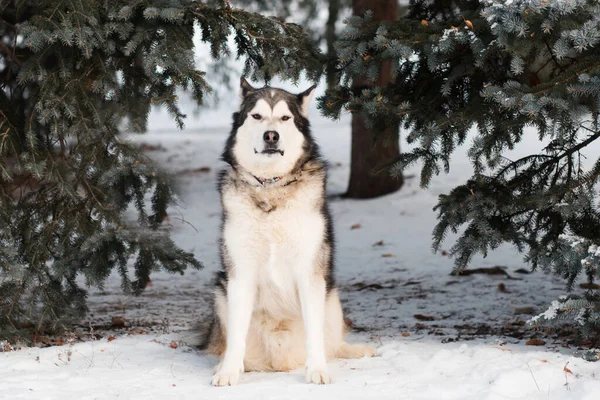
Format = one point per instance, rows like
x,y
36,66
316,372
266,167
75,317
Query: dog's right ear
x,y
246,88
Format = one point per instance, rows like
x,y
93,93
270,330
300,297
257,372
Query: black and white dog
x,y
275,304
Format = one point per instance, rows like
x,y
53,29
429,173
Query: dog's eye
x,y
256,116
285,118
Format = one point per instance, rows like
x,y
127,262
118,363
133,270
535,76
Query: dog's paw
x,y
368,351
355,351
225,378
220,367
319,376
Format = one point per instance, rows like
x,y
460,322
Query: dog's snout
x,y
271,137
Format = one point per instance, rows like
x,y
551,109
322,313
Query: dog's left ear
x,y
304,99
245,88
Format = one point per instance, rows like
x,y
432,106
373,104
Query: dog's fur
x,y
275,304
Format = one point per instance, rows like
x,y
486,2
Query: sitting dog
x,y
275,304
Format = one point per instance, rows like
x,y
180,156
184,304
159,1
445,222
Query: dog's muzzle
x,y
271,139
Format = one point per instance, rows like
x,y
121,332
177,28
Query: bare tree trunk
x,y
371,149
330,37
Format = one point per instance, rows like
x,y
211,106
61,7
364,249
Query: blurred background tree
x,y
372,147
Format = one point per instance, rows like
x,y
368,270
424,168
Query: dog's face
x,y
271,131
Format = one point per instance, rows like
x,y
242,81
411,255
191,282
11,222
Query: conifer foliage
x,y
73,75
498,67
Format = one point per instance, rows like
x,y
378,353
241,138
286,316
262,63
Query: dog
x,y
275,307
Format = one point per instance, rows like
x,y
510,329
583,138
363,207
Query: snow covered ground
x,y
438,336
146,367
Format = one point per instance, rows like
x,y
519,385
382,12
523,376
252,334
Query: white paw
x,y
225,378
368,351
318,376
220,367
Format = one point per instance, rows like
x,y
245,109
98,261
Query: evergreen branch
x,y
555,159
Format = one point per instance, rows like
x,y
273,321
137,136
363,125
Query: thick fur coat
x,y
276,307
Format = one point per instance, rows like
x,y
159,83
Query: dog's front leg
x,y
241,290
311,289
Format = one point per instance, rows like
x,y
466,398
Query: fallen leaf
x,y
173,344
41,339
194,171
502,288
522,271
469,24
118,321
523,310
422,317
24,325
152,147
535,342
515,325
424,22
588,285
111,338
444,252
405,334
362,286
355,226
387,255
545,361
497,270
380,243
567,370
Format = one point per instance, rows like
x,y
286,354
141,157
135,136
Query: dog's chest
x,y
285,232
286,222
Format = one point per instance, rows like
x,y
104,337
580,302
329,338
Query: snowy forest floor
x,y
438,336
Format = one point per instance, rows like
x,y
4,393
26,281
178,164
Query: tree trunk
x,y
330,38
372,149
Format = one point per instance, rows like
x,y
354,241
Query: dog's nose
x,y
271,137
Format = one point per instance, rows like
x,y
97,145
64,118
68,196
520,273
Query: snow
x,y
461,353
550,313
142,367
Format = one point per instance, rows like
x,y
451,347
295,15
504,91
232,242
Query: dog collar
x,y
264,181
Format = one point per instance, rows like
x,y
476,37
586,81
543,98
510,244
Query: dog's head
x,y
271,133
